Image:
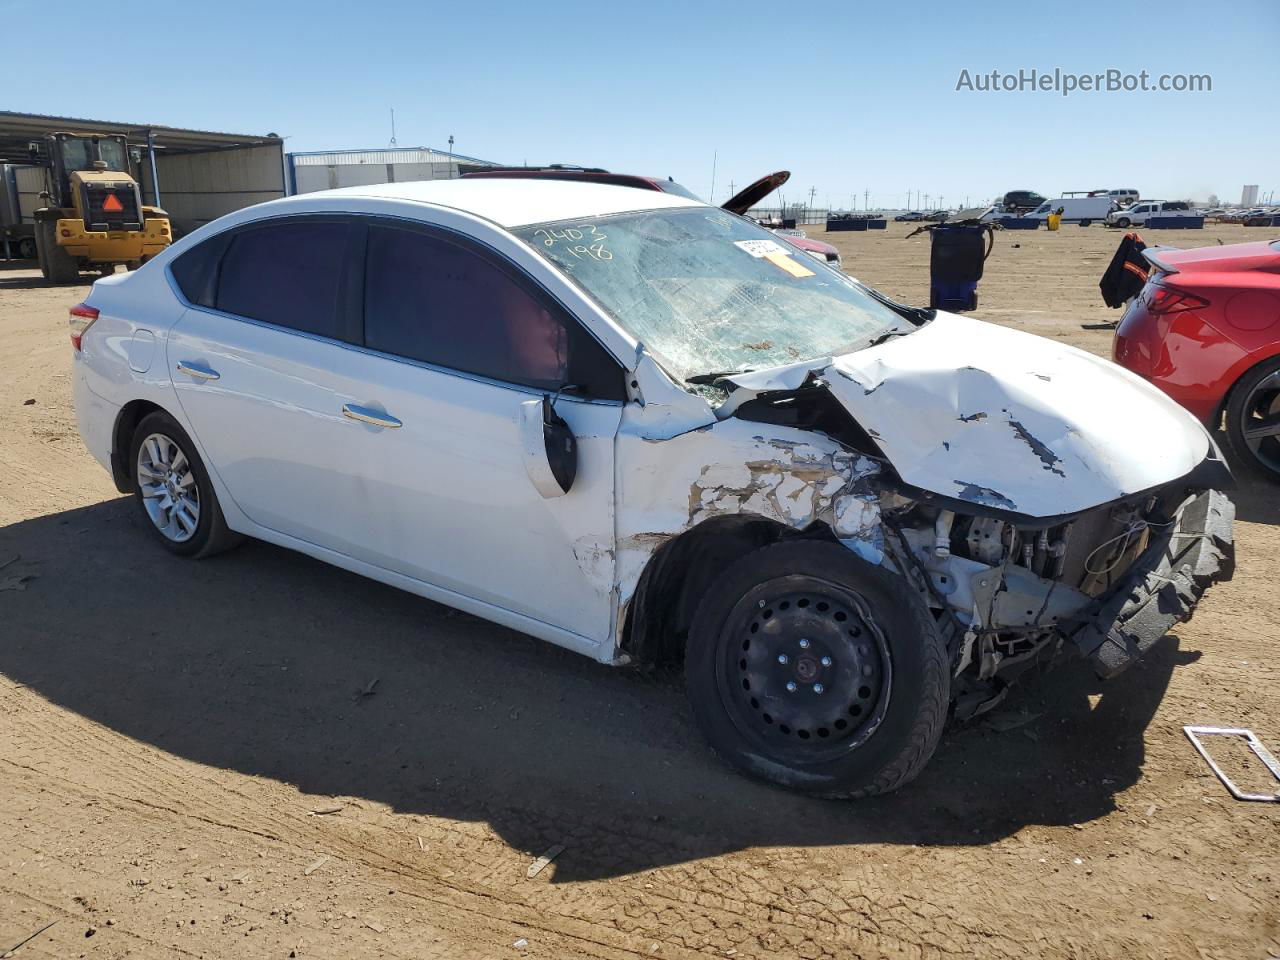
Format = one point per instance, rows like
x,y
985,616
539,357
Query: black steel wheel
x,y
811,668
1253,420
812,665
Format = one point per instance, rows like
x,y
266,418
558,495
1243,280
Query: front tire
x,y
60,266
173,492
1123,223
809,667
1253,421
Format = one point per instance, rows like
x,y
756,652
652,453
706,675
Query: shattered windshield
x,y
706,291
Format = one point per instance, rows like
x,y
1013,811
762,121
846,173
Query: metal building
x,y
195,175
327,170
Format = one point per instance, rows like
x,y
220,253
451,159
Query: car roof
x,y
514,202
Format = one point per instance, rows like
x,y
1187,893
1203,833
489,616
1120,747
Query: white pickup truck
x,y
1138,214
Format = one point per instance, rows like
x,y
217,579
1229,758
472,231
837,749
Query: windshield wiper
x,y
888,334
706,379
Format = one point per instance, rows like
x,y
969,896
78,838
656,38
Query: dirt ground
x,y
188,767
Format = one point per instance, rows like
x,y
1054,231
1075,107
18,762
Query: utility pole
x,y
451,155
866,194
731,190
714,156
393,126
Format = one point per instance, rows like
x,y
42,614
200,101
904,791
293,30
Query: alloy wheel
x,y
169,489
1260,422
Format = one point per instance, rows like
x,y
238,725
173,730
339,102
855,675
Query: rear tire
x,y
62,267
173,492
1255,396
27,248
810,668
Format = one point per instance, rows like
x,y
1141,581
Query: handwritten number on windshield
x,y
582,242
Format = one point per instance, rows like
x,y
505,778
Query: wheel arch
x,y
127,420
660,610
1250,363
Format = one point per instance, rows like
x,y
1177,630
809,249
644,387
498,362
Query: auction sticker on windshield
x,y
776,254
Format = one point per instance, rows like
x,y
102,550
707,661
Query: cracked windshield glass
x,y
709,292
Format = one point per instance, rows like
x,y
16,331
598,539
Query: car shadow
x,y
255,662
1257,501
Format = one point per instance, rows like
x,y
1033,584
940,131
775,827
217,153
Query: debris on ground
x,y
325,811
1251,740
540,864
366,691
315,866
14,949
16,583
521,943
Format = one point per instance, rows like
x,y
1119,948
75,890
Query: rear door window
x,y
289,274
434,300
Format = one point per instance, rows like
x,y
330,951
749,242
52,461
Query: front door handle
x,y
197,370
367,415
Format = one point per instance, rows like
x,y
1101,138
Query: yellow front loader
x,y
94,218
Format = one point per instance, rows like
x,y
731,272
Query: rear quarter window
x,y
196,271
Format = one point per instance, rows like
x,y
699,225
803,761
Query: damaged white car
x,y
642,428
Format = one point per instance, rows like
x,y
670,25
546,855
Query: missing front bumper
x,y
1163,586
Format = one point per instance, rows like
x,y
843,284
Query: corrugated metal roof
x,y
384,156
16,129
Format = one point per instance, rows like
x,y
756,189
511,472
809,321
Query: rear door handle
x,y
197,370
367,415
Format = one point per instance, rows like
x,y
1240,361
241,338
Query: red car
x,y
1206,330
739,203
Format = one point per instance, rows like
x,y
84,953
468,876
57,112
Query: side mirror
x,y
549,447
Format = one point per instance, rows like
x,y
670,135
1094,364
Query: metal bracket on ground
x,y
1260,751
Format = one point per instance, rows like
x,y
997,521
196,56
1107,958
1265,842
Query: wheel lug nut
x,y
782,658
791,686
804,644
826,661
818,688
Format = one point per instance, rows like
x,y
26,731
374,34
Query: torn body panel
x,y
1006,420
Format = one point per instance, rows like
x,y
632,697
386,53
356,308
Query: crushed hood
x,y
1008,420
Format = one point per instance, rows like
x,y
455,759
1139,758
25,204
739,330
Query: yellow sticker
x,y
780,259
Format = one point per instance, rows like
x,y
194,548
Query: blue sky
x,y
849,97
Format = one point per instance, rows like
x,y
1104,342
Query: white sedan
x,y
644,429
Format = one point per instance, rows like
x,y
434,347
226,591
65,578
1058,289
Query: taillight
x,y
1162,299
82,317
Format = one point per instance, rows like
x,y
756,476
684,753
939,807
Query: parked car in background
x,y
1016,201
1138,214
645,429
739,203
1122,197
909,217
1081,210
938,216
1206,330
